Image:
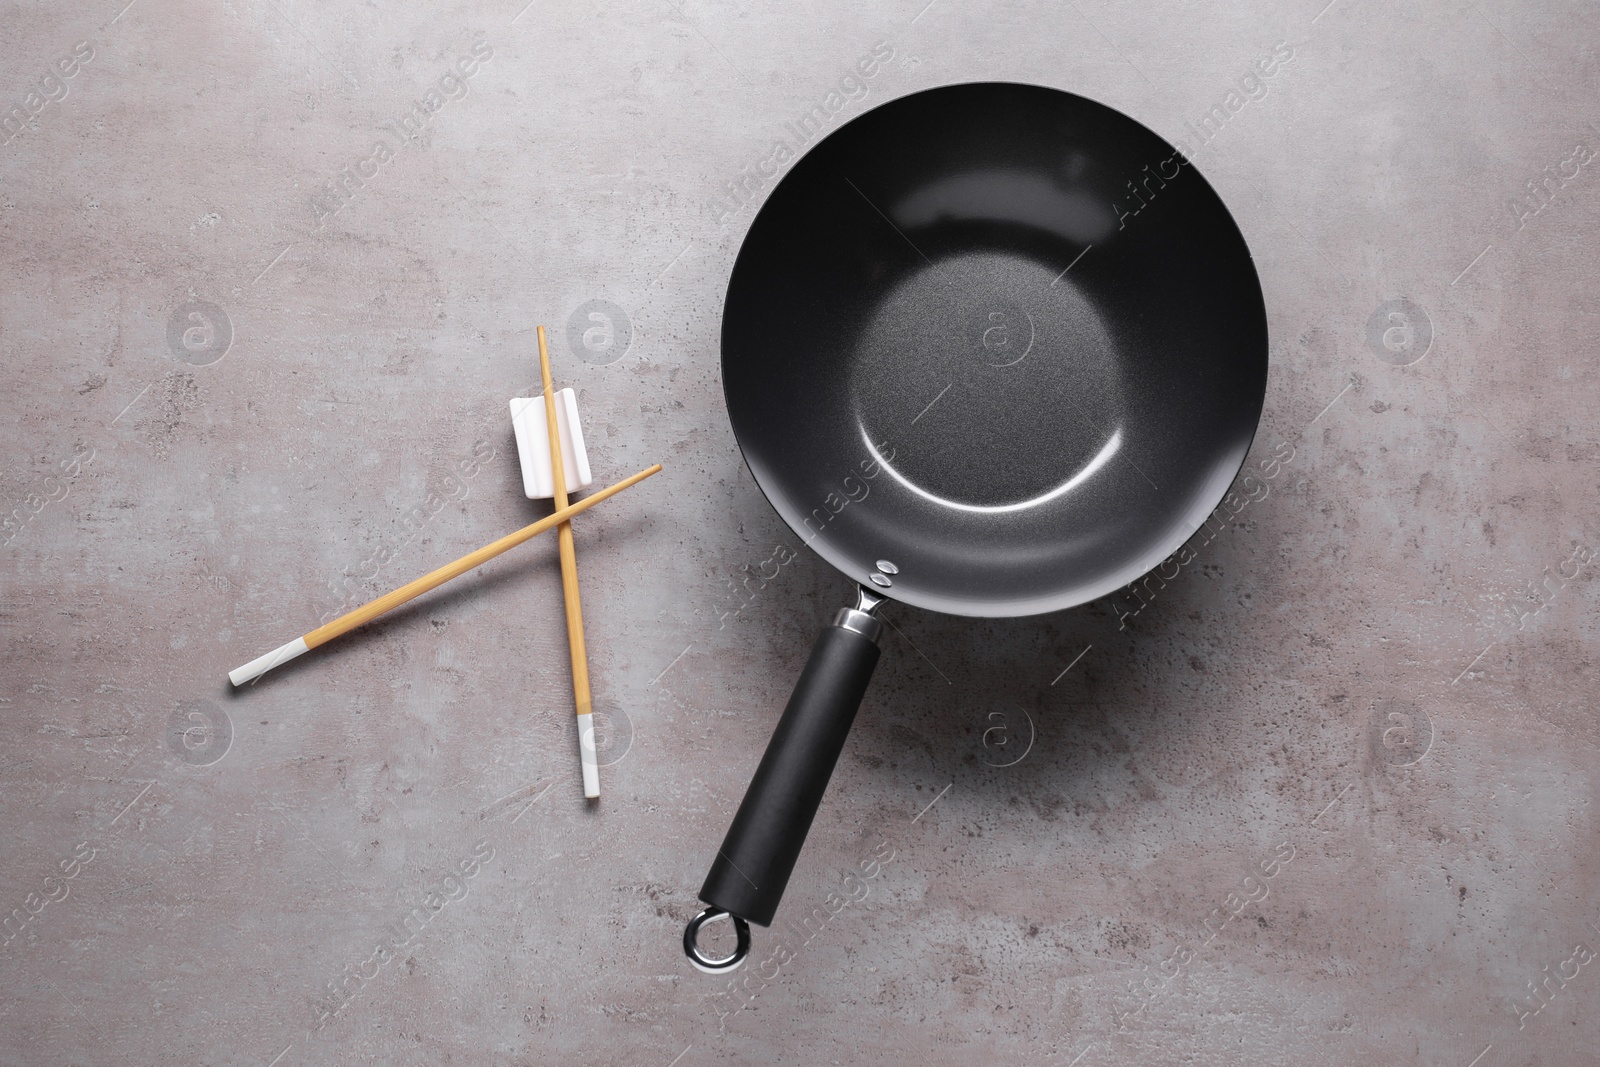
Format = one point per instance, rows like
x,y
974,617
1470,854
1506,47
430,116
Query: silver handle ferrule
x,y
860,618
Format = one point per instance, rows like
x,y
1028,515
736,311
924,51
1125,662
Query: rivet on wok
x,y
888,568
878,579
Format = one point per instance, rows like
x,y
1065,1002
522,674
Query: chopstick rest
x,y
533,444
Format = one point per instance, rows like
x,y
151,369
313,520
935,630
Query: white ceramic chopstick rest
x,y
533,445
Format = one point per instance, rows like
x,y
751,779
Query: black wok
x,y
991,350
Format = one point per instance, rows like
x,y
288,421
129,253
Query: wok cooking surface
x,y
1000,338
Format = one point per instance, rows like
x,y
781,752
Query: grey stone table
x,y
1322,794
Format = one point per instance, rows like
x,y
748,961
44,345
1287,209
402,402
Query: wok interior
x,y
999,337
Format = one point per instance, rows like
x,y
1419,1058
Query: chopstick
x,y
569,588
367,612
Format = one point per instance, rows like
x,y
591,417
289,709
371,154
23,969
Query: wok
x,y
989,349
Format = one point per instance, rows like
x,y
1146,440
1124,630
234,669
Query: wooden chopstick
x,y
367,612
569,588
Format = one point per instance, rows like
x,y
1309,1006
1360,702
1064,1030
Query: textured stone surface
x,y
1348,697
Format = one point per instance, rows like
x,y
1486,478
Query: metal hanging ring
x,y
691,946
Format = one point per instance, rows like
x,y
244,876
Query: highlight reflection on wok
x,y
1101,458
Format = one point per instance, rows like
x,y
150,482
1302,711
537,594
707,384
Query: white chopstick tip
x,y
591,765
262,664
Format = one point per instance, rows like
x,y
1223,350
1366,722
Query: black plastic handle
x,y
753,866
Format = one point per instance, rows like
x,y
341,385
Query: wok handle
x,y
753,866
